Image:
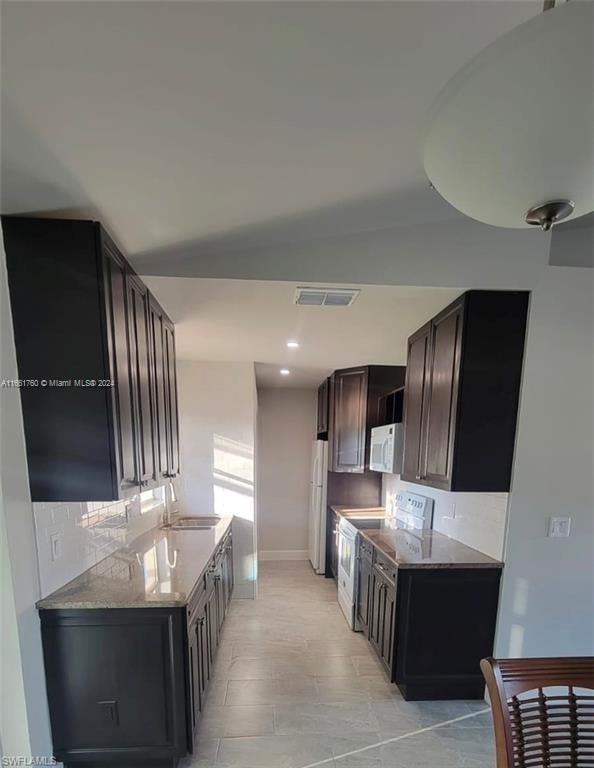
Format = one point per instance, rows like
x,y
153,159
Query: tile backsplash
x,y
476,519
74,536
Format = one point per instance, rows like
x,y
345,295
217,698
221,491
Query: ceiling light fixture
x,y
510,141
292,344
284,371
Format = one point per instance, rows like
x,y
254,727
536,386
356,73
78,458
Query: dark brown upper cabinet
x,y
171,393
94,380
323,394
162,350
142,375
462,390
355,395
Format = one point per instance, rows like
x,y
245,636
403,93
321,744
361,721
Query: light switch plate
x,y
56,546
559,526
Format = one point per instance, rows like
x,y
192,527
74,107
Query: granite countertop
x,y
409,548
157,570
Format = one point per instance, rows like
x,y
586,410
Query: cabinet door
x,y
388,626
415,393
121,359
364,592
225,580
230,575
442,397
138,318
350,420
221,601
171,389
194,676
198,670
376,612
160,395
212,625
323,408
227,572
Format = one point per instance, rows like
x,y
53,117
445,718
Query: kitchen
x,y
282,463
426,602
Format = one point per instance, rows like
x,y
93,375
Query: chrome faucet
x,y
170,504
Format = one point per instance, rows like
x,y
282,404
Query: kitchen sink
x,y
193,523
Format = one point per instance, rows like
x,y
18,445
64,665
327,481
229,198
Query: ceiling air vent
x,y
326,297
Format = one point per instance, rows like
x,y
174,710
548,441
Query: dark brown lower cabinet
x,y
199,666
430,627
126,687
365,587
383,610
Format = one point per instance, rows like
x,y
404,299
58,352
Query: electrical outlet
x,y
559,526
56,546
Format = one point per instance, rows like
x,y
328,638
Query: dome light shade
x,y
513,131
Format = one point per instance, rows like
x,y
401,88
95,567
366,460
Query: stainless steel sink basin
x,y
193,523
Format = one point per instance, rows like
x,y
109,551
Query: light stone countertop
x,y
157,570
408,548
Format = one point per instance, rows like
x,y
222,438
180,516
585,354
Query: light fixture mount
x,y
549,213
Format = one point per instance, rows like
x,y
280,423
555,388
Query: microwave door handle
x,y
384,457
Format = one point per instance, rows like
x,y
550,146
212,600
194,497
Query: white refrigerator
x,y
317,505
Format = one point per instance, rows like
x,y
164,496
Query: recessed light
x,y
284,371
292,344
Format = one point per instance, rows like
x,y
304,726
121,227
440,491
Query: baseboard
x,y
283,554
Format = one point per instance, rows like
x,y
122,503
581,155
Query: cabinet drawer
x,y
385,567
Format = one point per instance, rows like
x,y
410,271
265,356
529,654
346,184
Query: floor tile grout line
x,y
333,760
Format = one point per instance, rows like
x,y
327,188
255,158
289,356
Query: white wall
x,y
547,603
14,734
218,406
475,519
286,429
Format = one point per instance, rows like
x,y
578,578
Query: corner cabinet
x,y
96,364
354,409
462,392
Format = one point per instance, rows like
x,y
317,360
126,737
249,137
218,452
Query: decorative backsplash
x,y
74,536
476,519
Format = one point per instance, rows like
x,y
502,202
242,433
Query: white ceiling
x,y
220,123
249,320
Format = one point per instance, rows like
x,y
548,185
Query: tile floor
x,y
293,687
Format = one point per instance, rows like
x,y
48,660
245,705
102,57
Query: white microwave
x,y
387,445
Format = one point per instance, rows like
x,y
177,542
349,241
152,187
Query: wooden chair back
x,y
536,728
